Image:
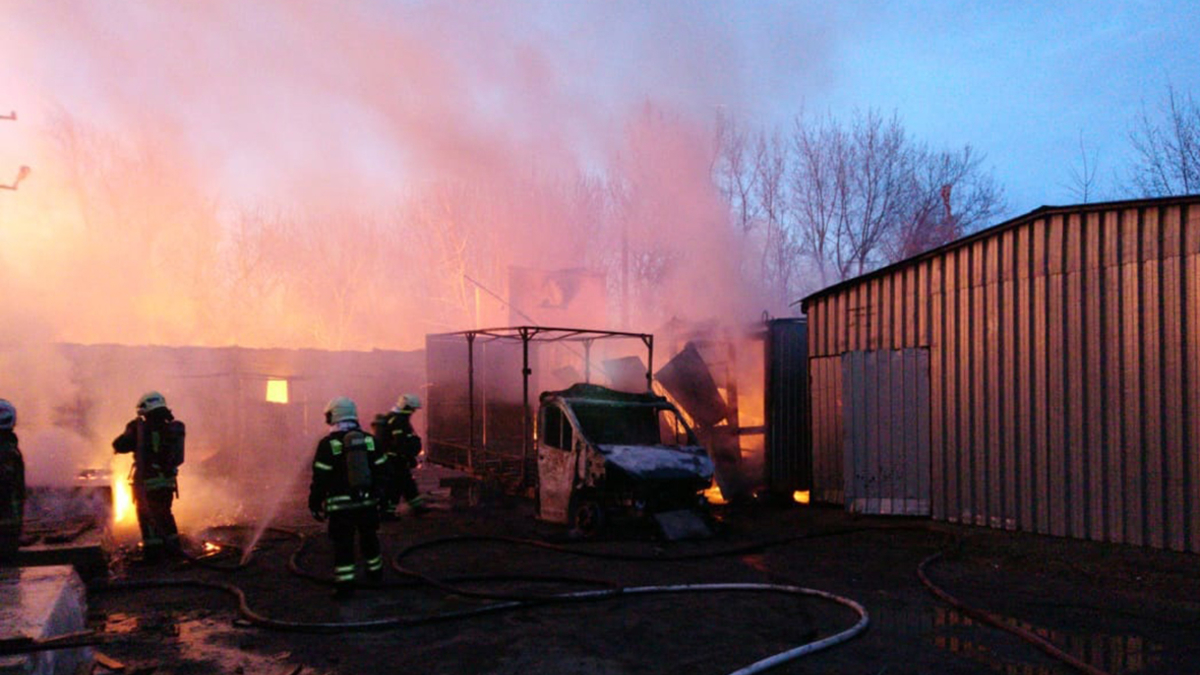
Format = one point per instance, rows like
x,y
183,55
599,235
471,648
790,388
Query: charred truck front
x,y
603,452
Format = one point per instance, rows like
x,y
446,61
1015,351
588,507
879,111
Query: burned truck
x,y
602,453
582,451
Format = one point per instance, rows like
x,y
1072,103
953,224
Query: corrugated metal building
x,y
1039,375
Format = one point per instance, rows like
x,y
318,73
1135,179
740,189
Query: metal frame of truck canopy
x,y
525,335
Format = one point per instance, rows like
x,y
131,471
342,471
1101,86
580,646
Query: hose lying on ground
x,y
506,602
252,618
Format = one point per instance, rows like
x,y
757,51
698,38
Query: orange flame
x,y
714,496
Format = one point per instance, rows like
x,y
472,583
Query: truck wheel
x,y
587,516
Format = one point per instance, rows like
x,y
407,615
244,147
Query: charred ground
x,y
1120,609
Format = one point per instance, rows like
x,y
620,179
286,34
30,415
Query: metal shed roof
x,y
1039,212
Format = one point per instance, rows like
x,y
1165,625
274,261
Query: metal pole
x,y
649,340
587,361
471,400
525,371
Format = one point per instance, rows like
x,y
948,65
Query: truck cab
x,y
601,452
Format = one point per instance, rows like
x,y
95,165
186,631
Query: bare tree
x,y
736,172
820,190
1167,148
865,194
1082,182
949,196
777,266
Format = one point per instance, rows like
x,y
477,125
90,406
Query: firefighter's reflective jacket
x,y
12,485
156,442
402,440
346,472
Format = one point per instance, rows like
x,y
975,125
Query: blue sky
x,y
1021,82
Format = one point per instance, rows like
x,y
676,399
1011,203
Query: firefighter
x,y
345,490
12,485
403,445
156,440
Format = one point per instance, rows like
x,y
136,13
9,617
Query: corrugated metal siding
x,y
788,458
825,377
887,431
1064,360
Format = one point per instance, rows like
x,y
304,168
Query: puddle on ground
x,y
213,642
957,633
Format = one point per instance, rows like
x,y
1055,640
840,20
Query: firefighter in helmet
x,y
395,431
156,440
12,484
345,490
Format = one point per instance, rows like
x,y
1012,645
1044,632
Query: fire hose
x,y
507,601
247,616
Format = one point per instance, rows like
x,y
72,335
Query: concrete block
x,y
39,603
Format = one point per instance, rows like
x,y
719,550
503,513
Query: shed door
x,y
886,422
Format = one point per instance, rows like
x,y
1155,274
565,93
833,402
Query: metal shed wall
x,y
1064,360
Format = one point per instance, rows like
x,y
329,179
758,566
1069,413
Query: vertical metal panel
x,y
1152,422
1114,380
1190,220
1041,379
1173,392
937,407
1057,476
1064,360
788,455
1075,375
826,386
1007,384
1024,382
993,388
887,468
1092,335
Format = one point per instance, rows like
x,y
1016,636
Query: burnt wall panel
x,y
1063,360
788,458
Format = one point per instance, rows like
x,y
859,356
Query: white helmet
x,y
340,409
411,401
8,415
151,400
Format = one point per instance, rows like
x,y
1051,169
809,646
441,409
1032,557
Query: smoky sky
x,y
196,164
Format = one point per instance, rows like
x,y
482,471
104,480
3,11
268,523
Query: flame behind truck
x,y
602,452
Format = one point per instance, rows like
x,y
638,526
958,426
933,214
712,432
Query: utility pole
x,y
23,172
